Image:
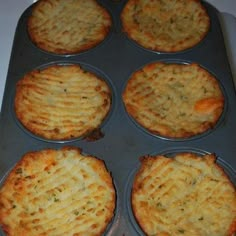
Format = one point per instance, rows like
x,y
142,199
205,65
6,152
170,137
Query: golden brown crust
x,y
184,195
62,102
57,192
67,27
167,26
174,100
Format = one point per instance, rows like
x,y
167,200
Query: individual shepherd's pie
x,y
174,100
68,27
186,194
165,25
62,102
57,192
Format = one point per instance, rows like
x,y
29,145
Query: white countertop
x,y
11,10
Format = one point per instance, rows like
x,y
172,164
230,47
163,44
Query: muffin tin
x,y
124,142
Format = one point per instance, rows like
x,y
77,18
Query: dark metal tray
x,y
124,142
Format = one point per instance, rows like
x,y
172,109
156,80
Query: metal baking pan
x,y
124,142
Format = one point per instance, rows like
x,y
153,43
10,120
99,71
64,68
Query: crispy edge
x,y
146,162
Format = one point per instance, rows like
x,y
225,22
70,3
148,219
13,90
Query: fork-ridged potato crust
x,y
71,26
165,25
184,195
174,100
62,102
57,192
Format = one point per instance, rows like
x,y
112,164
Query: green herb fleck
x,y
204,90
76,212
160,186
56,199
181,231
19,171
